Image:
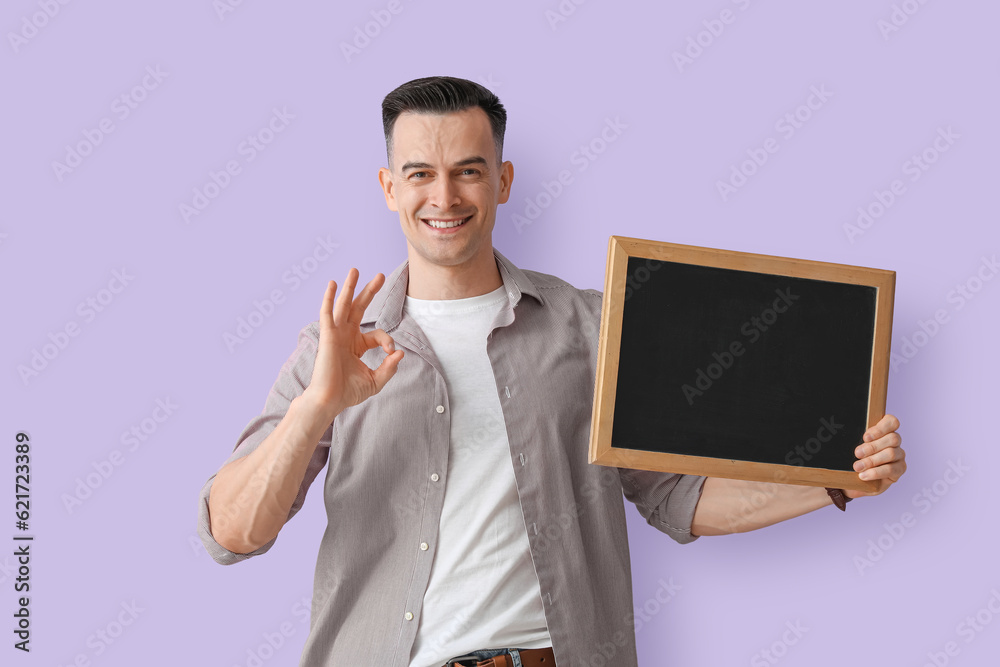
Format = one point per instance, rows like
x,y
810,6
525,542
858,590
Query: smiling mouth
x,y
442,223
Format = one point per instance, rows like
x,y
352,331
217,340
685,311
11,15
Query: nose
x,y
444,195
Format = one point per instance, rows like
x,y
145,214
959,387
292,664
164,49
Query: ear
x,y
385,180
506,178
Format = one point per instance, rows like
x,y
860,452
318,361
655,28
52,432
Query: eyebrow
x,y
476,159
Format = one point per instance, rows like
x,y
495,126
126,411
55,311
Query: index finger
x,y
342,307
365,298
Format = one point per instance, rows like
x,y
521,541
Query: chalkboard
x,y
738,365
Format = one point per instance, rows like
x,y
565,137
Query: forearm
x,y
736,506
252,496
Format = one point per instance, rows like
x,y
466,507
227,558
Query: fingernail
x,y
866,475
859,465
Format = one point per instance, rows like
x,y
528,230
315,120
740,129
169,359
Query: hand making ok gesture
x,y
340,378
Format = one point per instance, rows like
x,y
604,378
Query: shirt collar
x,y
386,308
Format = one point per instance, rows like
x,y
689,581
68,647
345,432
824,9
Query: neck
x,y
480,275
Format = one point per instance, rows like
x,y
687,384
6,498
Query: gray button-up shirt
x,y
386,478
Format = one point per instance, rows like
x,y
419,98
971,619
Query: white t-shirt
x,y
483,591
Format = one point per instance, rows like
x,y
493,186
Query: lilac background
x,y
161,337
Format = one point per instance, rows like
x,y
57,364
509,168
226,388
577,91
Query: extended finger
x,y
887,455
890,472
342,307
365,297
326,310
888,424
892,440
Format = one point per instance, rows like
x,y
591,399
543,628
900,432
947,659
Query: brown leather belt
x,y
535,657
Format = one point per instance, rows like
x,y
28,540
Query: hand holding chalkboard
x,y
881,455
763,368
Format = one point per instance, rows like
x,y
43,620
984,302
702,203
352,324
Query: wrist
x,y
839,498
313,413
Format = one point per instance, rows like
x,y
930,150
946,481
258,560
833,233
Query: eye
x,y
470,172
418,174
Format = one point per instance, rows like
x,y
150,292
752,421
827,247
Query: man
x,y
453,402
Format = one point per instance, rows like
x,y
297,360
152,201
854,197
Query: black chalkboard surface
x,y
731,364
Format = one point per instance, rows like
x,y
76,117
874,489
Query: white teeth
x,y
445,224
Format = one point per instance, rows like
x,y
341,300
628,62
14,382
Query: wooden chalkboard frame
x,y
602,449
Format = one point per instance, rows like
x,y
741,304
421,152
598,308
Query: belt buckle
x,y
495,661
489,662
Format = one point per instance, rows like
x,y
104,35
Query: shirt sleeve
x,y
293,378
666,501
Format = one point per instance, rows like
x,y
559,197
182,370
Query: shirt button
x,y
423,546
435,477
439,409
408,616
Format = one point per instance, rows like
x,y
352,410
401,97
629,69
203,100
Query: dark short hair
x,y
442,94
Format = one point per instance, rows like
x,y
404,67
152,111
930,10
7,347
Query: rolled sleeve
x,y
666,501
292,380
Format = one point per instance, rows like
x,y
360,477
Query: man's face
x,y
445,182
